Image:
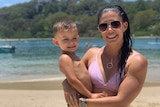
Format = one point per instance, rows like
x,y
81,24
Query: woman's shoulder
x,y
94,49
91,53
137,60
135,55
136,67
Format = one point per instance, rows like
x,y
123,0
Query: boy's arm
x,y
66,66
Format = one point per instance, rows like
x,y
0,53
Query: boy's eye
x,y
74,38
65,39
70,40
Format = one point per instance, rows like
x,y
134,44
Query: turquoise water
x,y
35,59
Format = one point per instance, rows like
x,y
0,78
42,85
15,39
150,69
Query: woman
x,y
115,68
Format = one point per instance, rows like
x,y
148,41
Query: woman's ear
x,y
125,26
55,42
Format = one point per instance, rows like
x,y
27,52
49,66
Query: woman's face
x,y
112,28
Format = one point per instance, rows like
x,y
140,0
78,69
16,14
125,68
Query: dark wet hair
x,y
126,48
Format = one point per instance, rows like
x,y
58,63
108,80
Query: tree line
x,y
35,19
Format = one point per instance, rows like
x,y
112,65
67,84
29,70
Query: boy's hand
x,y
98,95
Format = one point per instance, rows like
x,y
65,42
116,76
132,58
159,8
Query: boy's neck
x,y
72,55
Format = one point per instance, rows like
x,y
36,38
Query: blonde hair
x,y
63,25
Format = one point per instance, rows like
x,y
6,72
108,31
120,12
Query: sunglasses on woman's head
x,y
103,26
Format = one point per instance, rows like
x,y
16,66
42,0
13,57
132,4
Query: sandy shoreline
x,y
44,84
32,94
50,94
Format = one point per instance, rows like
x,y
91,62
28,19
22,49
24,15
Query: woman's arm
x,y
129,88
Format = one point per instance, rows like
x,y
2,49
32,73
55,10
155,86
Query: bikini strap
x,y
98,52
134,54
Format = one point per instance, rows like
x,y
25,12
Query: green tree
x,y
140,5
86,25
36,20
144,19
156,30
156,5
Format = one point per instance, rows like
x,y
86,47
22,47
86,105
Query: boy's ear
x,y
78,37
55,42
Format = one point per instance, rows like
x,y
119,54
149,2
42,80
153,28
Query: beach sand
x,y
50,94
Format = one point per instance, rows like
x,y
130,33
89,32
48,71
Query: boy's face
x,y
67,40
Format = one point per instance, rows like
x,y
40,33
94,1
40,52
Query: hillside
x,y
35,19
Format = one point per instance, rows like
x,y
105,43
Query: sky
x,y
4,3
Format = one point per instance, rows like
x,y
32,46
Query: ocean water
x,y
38,59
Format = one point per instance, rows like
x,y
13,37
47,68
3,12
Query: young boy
x,y
66,37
